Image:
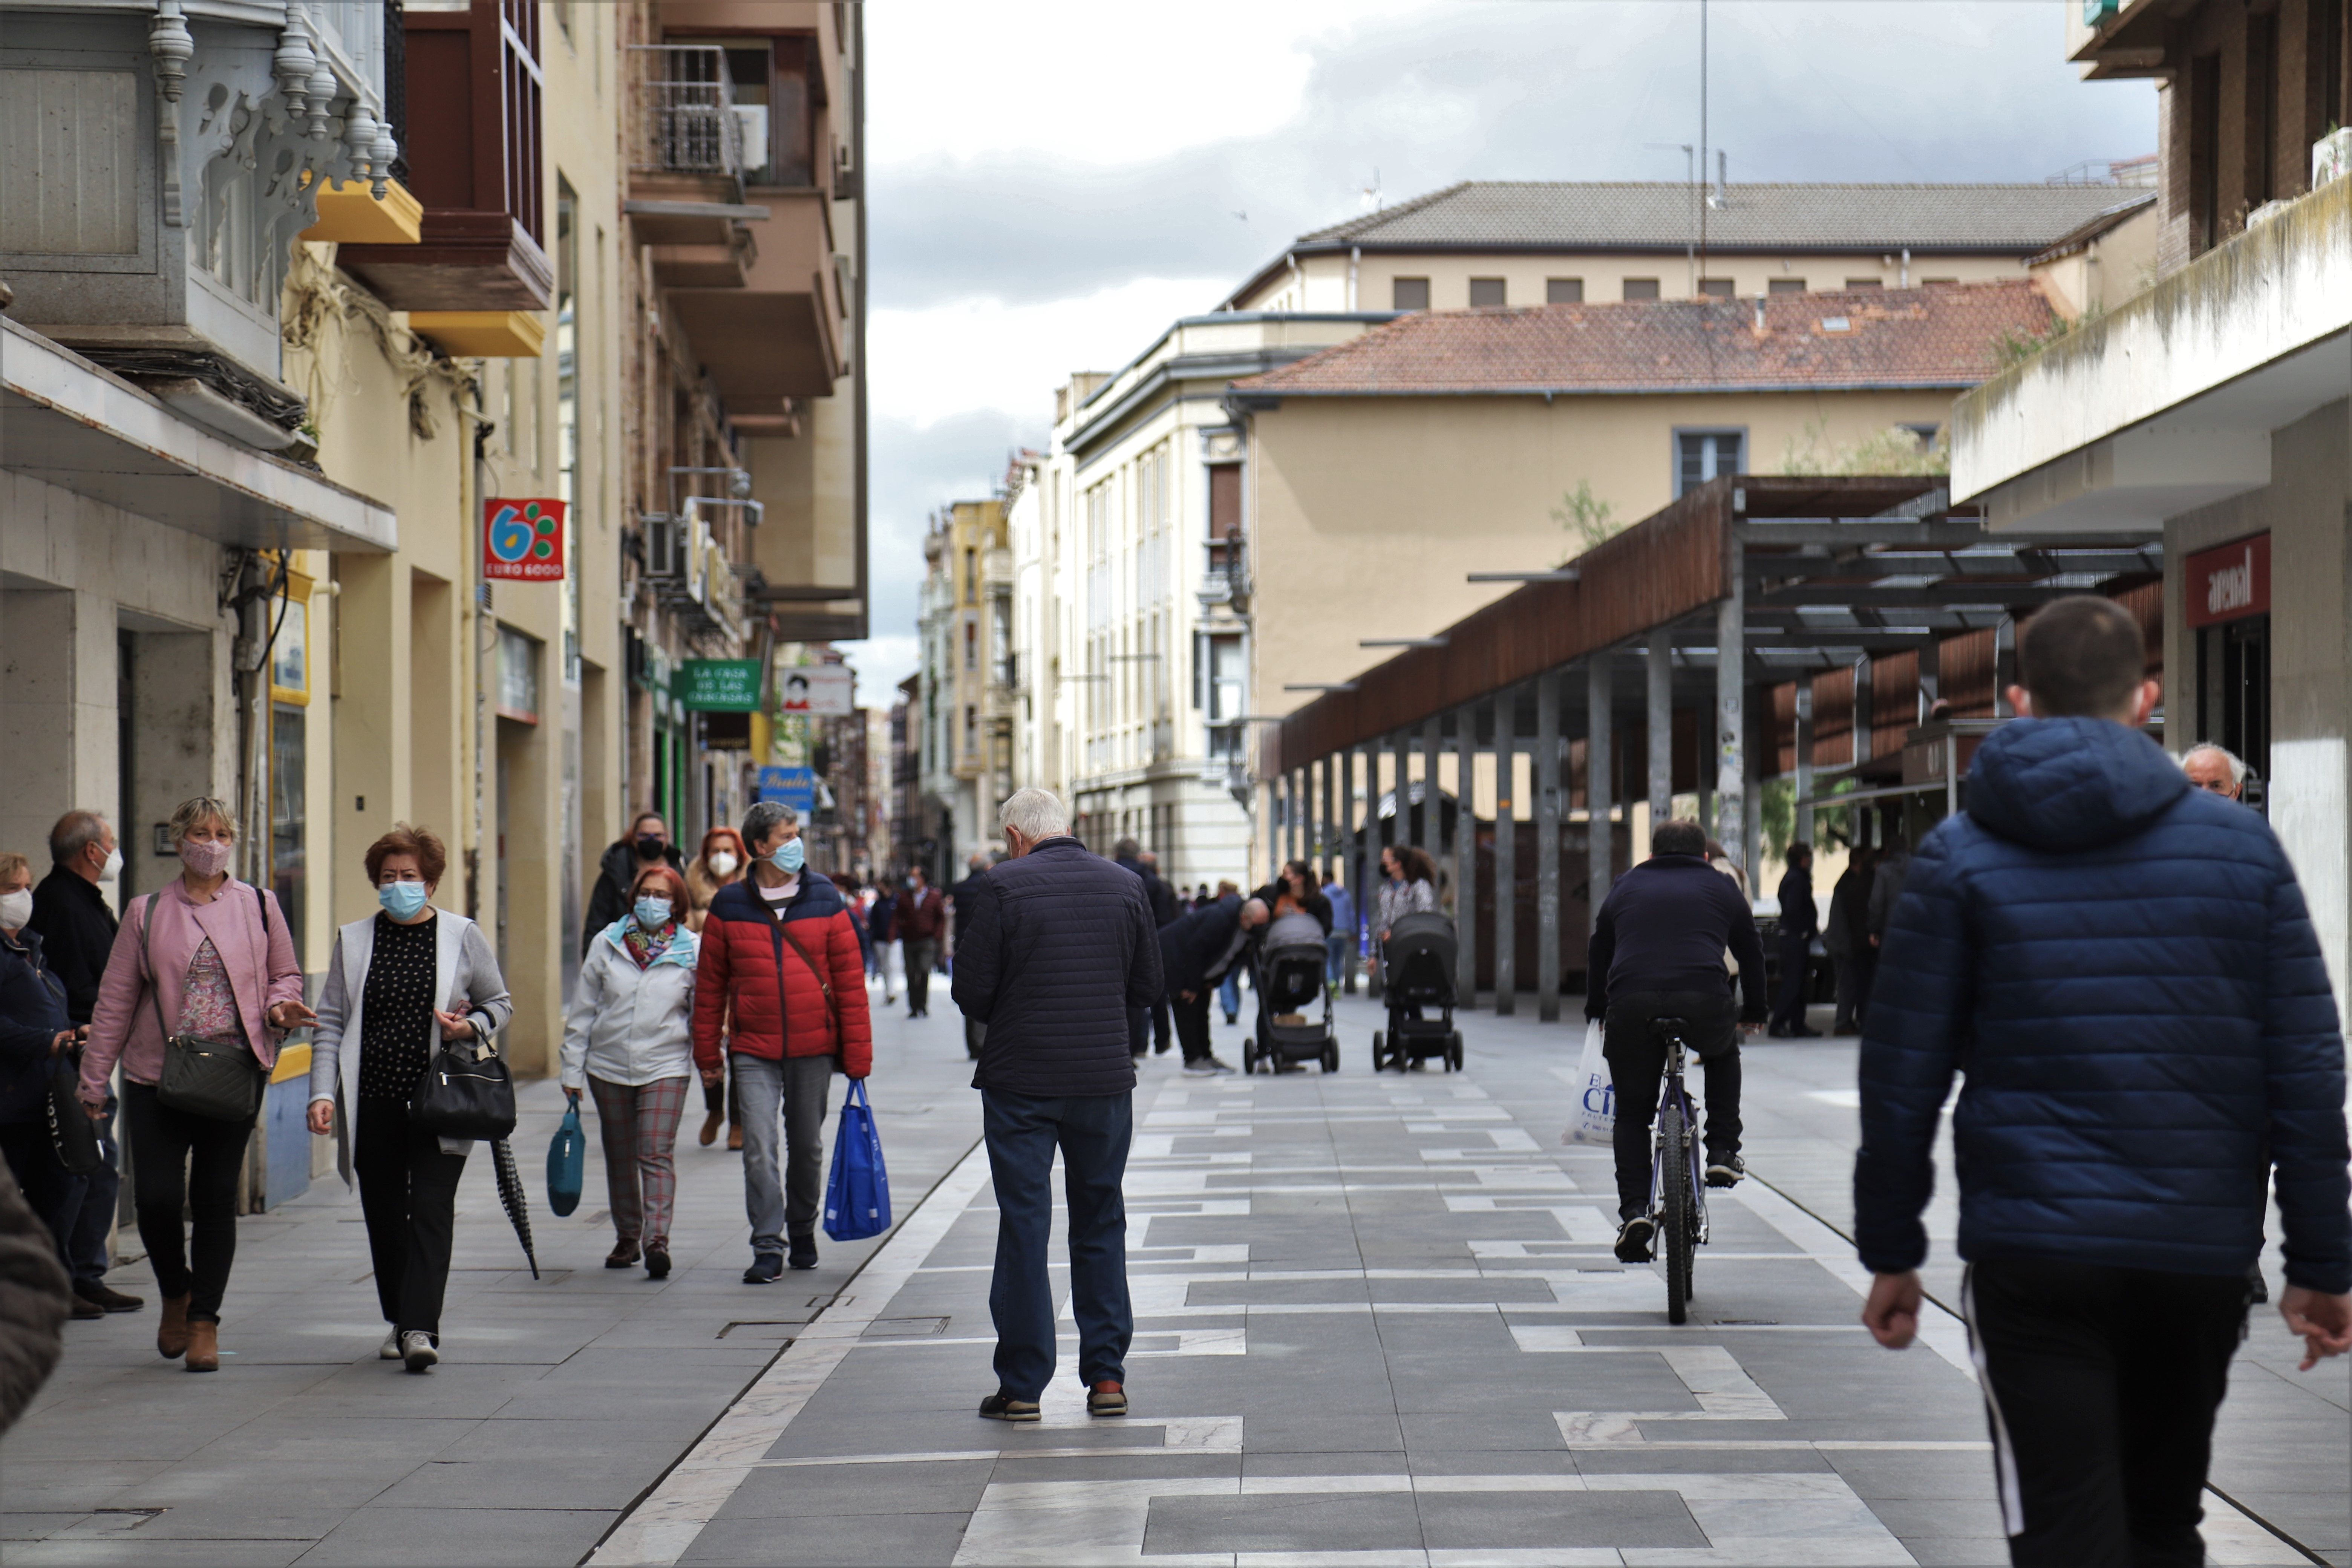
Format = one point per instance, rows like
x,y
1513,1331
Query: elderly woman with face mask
x,y
398,984
629,1042
207,961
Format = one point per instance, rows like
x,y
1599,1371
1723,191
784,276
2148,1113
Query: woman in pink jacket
x,y
207,957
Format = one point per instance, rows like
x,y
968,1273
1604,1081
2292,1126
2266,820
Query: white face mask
x,y
113,867
722,864
15,908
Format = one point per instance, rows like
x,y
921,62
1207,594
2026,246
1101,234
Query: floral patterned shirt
x,y
207,1005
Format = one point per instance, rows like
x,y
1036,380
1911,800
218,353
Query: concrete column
x,y
1506,864
1600,866
1400,743
1545,780
1757,707
1465,854
1327,848
1730,714
1302,832
2004,668
1660,672
1803,827
1860,825
1432,814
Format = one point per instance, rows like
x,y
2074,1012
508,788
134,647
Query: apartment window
x,y
1485,291
1865,283
1641,288
1409,294
970,645
971,576
1704,455
2327,49
1935,282
1716,288
1785,286
1563,290
768,79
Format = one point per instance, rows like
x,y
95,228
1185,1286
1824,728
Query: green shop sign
x,y
719,685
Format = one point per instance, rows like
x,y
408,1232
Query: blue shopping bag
x,y
567,1162
857,1197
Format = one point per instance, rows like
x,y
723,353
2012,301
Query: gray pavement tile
x,y
1256,1461
1644,1459
1958,1475
533,1537
501,1437
76,1485
2315,1517
32,1526
1939,1517
302,1513
143,1550
586,1481
854,1540
1315,1522
1121,1467
1297,1430
1949,1552
815,1490
1489,1521
1518,1430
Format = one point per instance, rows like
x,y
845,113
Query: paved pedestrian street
x,y
1377,1322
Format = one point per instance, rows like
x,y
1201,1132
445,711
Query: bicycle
x,y
1677,1178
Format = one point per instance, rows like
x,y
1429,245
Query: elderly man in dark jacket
x,y
1059,953
2123,967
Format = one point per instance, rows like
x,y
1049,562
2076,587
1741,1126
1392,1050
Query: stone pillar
x,y
1544,778
1465,854
1660,672
1506,864
1327,848
1599,860
1401,745
1730,714
1859,728
1302,832
1432,813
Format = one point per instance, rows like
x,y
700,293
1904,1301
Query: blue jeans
x,y
1337,946
1230,993
1092,1133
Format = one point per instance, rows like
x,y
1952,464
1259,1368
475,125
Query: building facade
x,y
965,701
2217,407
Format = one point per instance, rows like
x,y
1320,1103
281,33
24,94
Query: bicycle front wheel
x,y
1678,1224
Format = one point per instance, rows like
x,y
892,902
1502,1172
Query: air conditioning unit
x,y
668,543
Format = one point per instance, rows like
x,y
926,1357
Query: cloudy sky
x,y
1051,182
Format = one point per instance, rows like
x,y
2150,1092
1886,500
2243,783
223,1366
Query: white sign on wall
x,y
818,689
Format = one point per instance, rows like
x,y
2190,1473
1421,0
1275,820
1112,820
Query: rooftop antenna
x,y
1371,195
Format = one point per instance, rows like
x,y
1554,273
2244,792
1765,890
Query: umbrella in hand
x,y
510,1194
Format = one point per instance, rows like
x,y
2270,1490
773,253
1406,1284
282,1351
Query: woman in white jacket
x,y
628,1041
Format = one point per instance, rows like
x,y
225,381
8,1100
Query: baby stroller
x,y
1289,981
1419,956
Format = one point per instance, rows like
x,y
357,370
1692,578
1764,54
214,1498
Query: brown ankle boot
x,y
172,1329
735,1136
204,1346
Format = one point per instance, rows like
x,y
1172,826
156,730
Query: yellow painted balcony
x,y
349,214
482,334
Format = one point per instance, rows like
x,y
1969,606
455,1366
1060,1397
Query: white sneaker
x,y
416,1350
390,1349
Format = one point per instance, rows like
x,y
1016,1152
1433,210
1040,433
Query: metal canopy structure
x,y
1709,632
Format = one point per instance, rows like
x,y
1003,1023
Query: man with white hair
x,y
2216,769
1057,955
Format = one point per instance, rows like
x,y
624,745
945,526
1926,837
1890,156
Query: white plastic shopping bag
x,y
1594,1118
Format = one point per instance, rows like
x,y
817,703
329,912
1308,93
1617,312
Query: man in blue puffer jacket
x,y
2123,969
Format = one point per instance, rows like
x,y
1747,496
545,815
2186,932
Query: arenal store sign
x,y
2229,581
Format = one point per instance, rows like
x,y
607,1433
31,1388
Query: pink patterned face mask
x,y
206,857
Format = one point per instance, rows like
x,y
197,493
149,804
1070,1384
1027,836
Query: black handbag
x,y
465,1094
217,1080
71,1131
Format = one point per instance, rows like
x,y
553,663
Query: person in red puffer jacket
x,y
780,947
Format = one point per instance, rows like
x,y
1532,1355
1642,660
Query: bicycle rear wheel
x,y
1676,1220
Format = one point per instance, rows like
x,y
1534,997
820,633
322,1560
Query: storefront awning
x,y
65,422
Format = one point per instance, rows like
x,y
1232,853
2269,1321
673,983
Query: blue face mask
x,y
653,913
789,857
402,901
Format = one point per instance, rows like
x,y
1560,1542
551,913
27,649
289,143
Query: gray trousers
x,y
787,1097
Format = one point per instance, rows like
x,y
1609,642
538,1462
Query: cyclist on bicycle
x,y
1657,952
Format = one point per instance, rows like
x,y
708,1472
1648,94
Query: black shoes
x,y
108,1300
657,1262
766,1270
1725,1170
1001,1406
624,1253
803,1254
1633,1239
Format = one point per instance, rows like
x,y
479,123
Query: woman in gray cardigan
x,y
397,984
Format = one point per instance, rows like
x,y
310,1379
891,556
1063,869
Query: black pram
x,y
1294,1010
1419,959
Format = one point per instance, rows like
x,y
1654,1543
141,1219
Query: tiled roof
x,y
1479,214
1945,336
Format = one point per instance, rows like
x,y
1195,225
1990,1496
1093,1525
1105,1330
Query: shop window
x,y
1409,294
518,676
1563,290
289,843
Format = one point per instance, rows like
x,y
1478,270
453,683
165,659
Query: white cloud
x,y
1104,81
945,360
881,663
